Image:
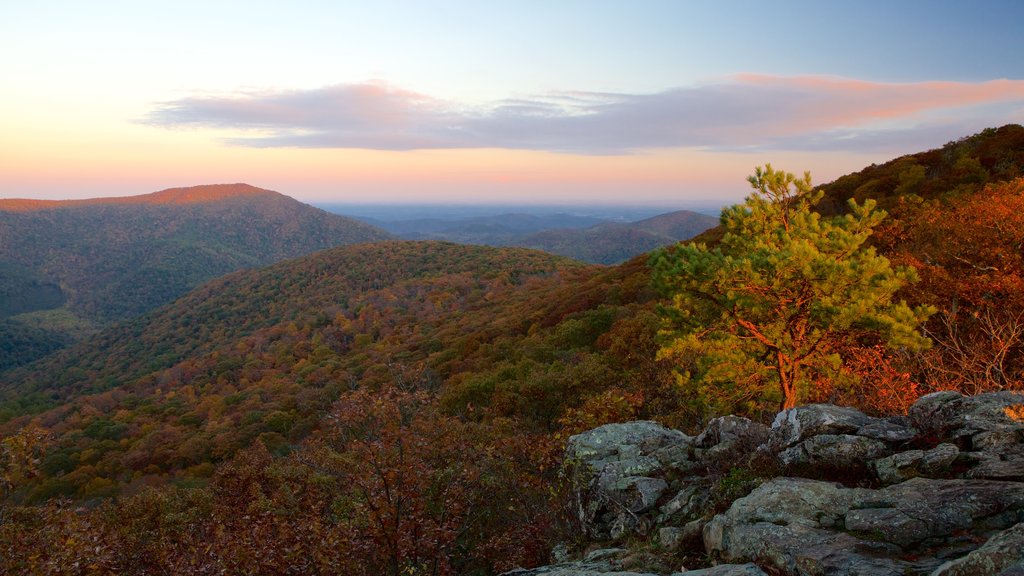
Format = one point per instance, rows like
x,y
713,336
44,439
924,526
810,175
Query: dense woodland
x,y
401,407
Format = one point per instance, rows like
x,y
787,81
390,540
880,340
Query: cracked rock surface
x,y
826,490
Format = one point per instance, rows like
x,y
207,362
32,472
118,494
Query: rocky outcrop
x,y
602,562
621,473
999,556
801,526
824,490
748,569
936,462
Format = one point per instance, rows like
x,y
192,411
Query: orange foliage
x,y
877,382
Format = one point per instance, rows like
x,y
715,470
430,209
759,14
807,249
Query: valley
x,y
591,234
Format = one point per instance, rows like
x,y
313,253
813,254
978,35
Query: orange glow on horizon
x,y
74,170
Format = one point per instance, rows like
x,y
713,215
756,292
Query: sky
x,y
668,103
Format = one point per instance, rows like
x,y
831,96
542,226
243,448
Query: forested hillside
x,y
70,266
401,407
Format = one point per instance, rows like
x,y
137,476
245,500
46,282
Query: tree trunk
x,y
786,380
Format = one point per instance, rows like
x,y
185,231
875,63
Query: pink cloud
x,y
843,101
742,112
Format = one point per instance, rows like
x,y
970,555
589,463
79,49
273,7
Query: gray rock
x,y
946,506
1004,464
984,422
622,442
809,527
898,467
670,537
938,459
913,463
889,524
560,554
1000,554
834,451
786,521
931,411
575,569
731,429
725,570
892,430
604,554
602,562
798,424
618,474
639,479
687,504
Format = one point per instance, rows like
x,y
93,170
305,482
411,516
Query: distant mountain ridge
x,y
100,260
586,238
611,243
202,194
491,230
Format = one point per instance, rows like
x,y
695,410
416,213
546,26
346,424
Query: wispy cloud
x,y
742,112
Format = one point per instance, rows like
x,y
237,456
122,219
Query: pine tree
x,y
765,314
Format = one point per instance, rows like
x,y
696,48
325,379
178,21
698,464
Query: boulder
x,y
947,506
986,422
688,504
795,425
810,527
939,460
730,430
1000,555
575,569
913,463
601,562
834,452
931,412
623,443
670,537
794,525
619,471
1007,463
894,430
725,570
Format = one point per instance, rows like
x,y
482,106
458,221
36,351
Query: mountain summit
x,y
203,194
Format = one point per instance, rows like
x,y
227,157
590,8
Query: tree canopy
x,y
764,316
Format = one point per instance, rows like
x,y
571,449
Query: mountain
x,y
610,243
68,266
678,225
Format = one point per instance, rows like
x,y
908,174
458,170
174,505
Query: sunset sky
x,y
668,103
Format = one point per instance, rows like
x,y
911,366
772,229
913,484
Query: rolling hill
x,y
611,243
69,267
288,339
